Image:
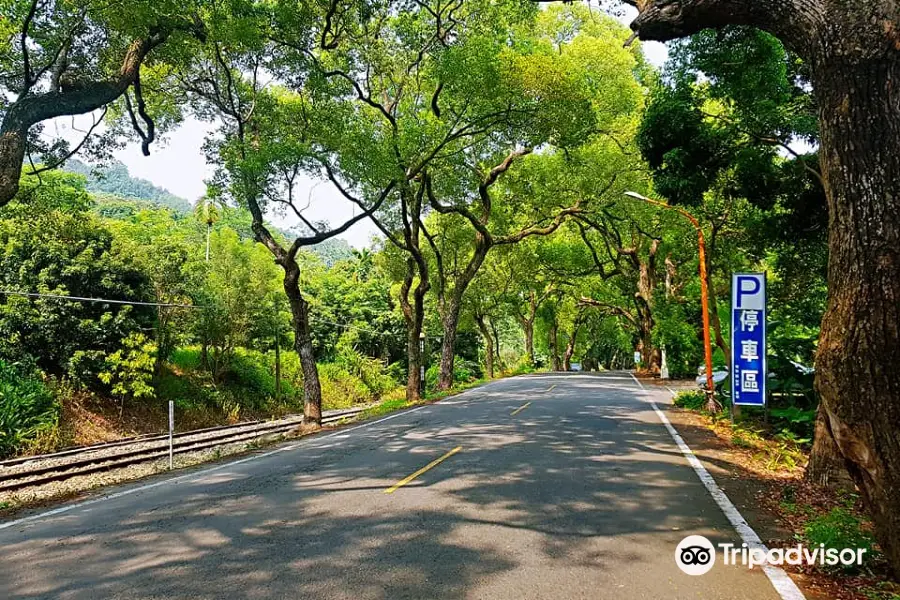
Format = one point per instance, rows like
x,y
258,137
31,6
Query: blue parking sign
x,y
748,339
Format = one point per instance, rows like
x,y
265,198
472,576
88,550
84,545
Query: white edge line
x,y
636,380
780,580
197,474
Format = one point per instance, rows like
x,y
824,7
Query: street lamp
x,y
704,291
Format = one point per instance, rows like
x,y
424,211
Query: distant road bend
x,y
550,486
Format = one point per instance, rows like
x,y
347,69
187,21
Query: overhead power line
x,y
165,304
356,328
100,300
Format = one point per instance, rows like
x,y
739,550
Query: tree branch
x,y
27,80
390,236
492,176
601,267
463,211
148,137
536,230
74,151
609,308
325,235
796,22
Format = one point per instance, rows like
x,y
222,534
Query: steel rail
x,y
61,472
150,437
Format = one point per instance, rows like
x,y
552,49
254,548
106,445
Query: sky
x,y
177,163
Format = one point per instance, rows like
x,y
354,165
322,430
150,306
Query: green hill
x,y
115,180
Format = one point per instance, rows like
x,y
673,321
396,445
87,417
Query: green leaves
x,y
50,244
27,407
129,370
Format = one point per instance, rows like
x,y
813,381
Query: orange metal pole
x,y
704,299
704,292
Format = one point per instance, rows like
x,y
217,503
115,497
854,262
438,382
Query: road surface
x,y
560,486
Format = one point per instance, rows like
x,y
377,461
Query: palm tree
x,y
207,210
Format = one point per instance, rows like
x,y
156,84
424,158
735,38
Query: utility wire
x,y
345,326
135,303
101,300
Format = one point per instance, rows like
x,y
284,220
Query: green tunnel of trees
x,y
491,145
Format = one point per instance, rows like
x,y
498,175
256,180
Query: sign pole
x,y
422,364
171,430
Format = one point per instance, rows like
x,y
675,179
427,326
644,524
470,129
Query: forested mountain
x,y
114,179
332,251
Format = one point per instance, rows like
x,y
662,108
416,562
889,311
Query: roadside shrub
x,y
838,529
291,373
799,421
341,389
371,371
249,371
674,329
431,376
690,399
186,358
129,370
523,367
187,391
463,372
28,409
50,243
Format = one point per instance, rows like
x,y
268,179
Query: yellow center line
x,y
520,409
430,465
550,389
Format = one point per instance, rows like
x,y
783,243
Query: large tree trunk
x,y
527,322
570,351
717,325
857,375
12,154
554,345
414,316
646,287
570,346
488,346
650,356
32,108
498,359
853,51
528,330
826,465
449,323
714,319
414,374
312,389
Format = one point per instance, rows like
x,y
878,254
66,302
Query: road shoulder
x,y
755,492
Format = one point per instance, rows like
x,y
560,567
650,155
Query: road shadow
x,y
585,479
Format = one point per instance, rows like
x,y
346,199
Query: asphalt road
x,y
580,494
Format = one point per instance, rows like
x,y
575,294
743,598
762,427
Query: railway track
x,y
98,458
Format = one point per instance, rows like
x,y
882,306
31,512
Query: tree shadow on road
x,y
593,486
